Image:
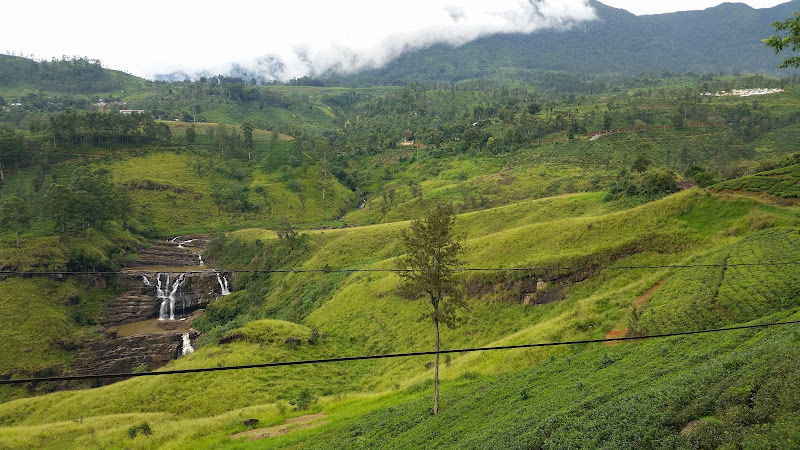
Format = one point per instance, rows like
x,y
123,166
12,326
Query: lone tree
x,y
14,216
190,135
247,128
432,253
790,38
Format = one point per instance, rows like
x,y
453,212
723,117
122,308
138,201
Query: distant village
x,y
745,92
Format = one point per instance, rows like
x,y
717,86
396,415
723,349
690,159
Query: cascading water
x,y
160,293
181,243
200,255
223,285
145,280
168,294
187,345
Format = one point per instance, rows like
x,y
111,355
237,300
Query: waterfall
x,y
178,283
167,295
161,293
200,255
187,345
145,280
223,285
181,243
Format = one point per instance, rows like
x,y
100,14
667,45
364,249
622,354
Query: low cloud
x,y
367,34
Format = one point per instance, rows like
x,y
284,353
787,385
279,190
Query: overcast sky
x,y
146,37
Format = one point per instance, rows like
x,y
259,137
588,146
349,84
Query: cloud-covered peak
x,y
367,35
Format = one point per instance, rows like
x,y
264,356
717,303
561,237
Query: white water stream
x,y
167,293
187,345
223,285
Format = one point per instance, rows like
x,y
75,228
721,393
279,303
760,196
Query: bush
x,y
143,428
703,179
304,400
658,182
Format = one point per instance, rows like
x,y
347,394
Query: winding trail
x,y
638,303
292,424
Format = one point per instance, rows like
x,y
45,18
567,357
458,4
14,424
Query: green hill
x,y
308,212
364,313
781,182
66,76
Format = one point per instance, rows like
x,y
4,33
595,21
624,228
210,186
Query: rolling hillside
x,y
363,313
599,195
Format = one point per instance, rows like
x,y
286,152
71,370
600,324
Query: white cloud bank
x,y
270,39
376,39
279,38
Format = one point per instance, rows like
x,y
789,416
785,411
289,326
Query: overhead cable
x,y
385,356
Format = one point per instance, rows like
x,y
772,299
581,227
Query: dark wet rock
x,y
231,338
126,354
180,251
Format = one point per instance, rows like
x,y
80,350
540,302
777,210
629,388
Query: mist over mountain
x,y
349,38
723,39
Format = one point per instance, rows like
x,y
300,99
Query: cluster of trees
x,y
101,129
14,216
88,199
649,183
12,150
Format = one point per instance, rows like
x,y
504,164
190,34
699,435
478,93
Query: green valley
x,y
244,223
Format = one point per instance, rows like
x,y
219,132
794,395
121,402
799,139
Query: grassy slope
x,y
734,389
477,181
783,182
34,338
42,320
364,314
186,206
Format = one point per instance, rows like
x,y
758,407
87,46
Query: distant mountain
x,y
723,39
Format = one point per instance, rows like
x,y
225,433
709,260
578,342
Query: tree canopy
x,y
14,215
790,38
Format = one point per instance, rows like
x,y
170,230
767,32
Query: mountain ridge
x,y
722,39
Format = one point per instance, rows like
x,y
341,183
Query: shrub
x,y
703,179
304,400
143,428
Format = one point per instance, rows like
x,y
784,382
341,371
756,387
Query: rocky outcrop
x,y
180,251
126,354
530,290
130,307
151,347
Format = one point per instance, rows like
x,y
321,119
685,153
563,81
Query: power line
x,y
392,355
463,269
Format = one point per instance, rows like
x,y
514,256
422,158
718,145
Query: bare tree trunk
x,y
436,371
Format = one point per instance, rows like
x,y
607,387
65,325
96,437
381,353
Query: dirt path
x,y
295,423
638,303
